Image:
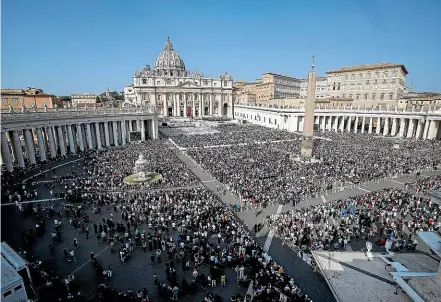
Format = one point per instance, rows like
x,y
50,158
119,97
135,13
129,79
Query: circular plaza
x,y
213,211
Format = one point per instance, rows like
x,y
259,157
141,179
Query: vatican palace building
x,y
173,90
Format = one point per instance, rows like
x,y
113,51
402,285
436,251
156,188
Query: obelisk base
x,y
306,148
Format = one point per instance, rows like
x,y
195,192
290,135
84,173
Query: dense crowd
x,y
272,173
106,171
229,134
391,213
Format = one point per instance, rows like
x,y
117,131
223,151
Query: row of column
x,y
39,143
387,126
189,108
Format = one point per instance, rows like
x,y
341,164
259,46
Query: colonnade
x,y
419,125
410,127
29,145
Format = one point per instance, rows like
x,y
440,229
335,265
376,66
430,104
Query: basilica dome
x,y
168,61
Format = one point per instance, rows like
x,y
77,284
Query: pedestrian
x,y
75,243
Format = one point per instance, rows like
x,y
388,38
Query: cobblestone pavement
x,y
134,274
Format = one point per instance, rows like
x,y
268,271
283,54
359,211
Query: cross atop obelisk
x,y
312,66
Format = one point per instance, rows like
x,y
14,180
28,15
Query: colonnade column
x,y
426,129
52,149
410,128
115,133
185,107
342,123
155,128
29,146
433,129
419,129
89,136
394,127
6,153
61,140
334,123
386,127
323,123
106,134
98,136
193,104
371,122
402,125
71,139
210,109
329,123
363,124
378,128
348,126
18,151
80,137
356,124
41,147
123,132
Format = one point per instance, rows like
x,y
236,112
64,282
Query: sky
x,y
85,46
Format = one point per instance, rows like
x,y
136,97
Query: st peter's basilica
x,y
173,90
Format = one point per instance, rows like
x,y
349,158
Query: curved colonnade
x,y
38,136
399,123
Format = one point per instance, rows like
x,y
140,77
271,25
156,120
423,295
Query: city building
x,y
174,90
84,100
372,82
274,86
30,98
320,93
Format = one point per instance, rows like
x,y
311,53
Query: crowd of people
x,y
272,173
389,213
228,134
106,171
179,225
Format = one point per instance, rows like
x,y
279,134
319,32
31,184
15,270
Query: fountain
x,y
141,174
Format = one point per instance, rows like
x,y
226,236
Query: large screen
x,y
135,136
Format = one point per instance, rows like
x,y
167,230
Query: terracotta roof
x,y
368,67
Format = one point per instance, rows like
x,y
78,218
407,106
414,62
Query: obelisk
x,y
308,123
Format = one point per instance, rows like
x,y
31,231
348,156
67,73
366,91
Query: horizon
x,y
65,49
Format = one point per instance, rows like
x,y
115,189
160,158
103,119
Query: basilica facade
x,y
173,90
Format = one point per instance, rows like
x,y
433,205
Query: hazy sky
x,y
80,46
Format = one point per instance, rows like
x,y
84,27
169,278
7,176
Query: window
x,y
158,82
350,96
368,75
360,76
343,95
264,119
8,293
15,101
159,97
382,96
168,81
391,96
4,101
17,288
357,97
205,82
352,76
225,83
144,81
365,96
373,96
269,120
